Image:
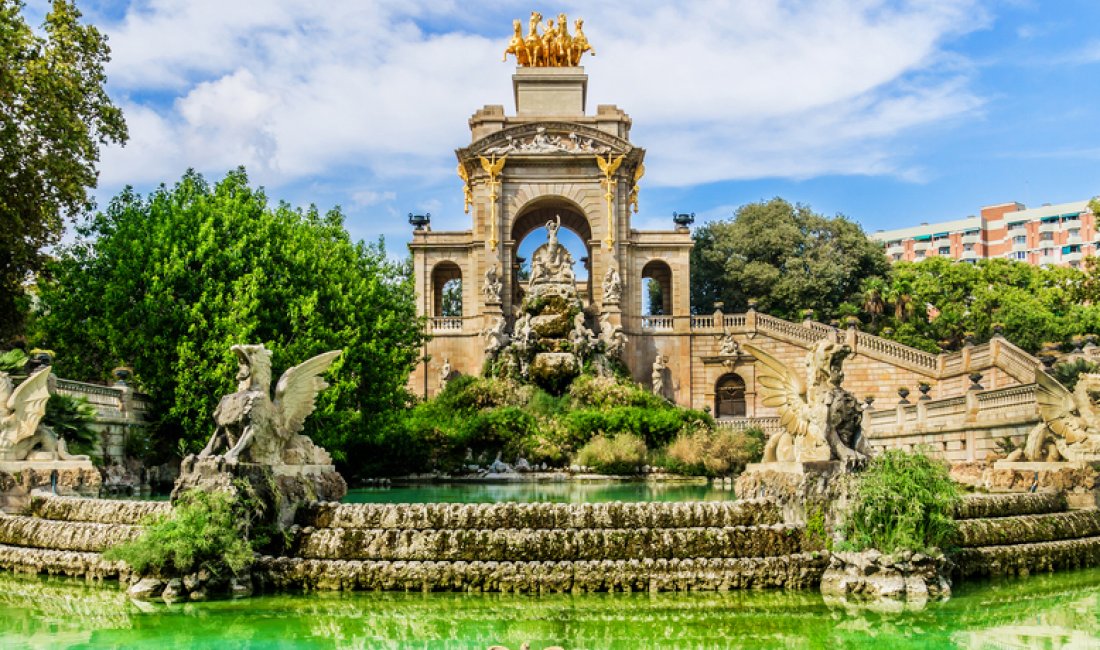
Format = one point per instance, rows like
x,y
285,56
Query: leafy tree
x,y
168,283
452,298
786,257
937,303
56,115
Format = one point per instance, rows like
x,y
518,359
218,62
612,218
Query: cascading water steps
x,y
550,547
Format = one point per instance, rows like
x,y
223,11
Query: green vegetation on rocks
x,y
473,419
902,501
203,531
623,453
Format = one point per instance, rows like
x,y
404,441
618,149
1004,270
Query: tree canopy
x,y
784,256
169,282
938,303
56,115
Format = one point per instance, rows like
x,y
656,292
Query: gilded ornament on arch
x,y
554,48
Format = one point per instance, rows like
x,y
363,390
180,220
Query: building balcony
x,y
1073,257
968,255
896,250
447,324
1048,260
921,246
1050,226
1075,238
1019,246
973,238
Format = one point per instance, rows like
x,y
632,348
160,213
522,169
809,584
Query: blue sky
x,y
892,113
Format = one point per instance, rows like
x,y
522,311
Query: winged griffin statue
x,y
22,436
1070,429
822,420
253,427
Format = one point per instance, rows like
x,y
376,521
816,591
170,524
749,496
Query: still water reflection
x,y
1061,611
551,492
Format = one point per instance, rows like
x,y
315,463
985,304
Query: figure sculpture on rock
x,y
580,337
22,434
823,421
493,285
496,338
612,337
612,286
1070,429
253,427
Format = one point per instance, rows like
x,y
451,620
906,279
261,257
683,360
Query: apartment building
x,y
1062,234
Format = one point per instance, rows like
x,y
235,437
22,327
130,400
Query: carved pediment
x,y
547,138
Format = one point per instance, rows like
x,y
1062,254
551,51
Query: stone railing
x,y
998,353
962,428
447,324
658,323
769,426
118,410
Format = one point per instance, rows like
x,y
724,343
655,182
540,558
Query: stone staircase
x,y
66,535
543,547
1020,534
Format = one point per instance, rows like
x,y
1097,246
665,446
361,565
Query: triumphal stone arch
x,y
551,164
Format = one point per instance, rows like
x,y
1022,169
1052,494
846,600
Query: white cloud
x,y
718,90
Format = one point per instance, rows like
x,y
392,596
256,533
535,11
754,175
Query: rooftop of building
x,y
1070,208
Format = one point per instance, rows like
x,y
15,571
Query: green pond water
x,y
1060,611
554,492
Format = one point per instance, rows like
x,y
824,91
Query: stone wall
x,y
120,412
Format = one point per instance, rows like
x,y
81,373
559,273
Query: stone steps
x,y
983,506
538,545
101,511
32,532
795,571
445,516
1026,529
80,564
1024,559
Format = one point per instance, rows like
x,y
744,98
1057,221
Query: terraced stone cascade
x,y
63,535
1019,534
539,547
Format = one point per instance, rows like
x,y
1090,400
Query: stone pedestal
x,y
889,583
19,478
550,91
804,491
276,490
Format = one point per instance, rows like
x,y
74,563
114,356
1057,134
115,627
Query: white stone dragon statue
x,y
822,420
1070,429
22,435
253,427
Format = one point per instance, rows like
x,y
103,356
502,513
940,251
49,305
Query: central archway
x,y
533,217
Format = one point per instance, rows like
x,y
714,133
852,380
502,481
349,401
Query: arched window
x,y
656,289
447,290
729,397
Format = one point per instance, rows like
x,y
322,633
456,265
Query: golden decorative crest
x,y
493,167
554,48
609,167
467,194
639,171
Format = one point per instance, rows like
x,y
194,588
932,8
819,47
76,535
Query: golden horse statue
x,y
517,46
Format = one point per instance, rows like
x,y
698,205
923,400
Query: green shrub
x,y
621,454
607,392
656,426
494,429
1068,373
202,532
714,452
71,418
13,361
902,501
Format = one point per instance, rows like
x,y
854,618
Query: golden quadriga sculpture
x,y
822,420
554,48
